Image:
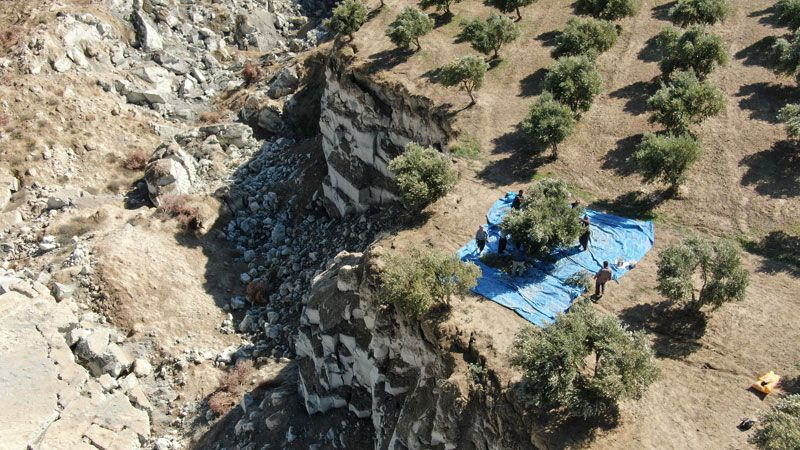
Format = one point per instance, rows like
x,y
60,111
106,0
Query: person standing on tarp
x,y
518,199
502,243
587,233
517,261
602,277
480,238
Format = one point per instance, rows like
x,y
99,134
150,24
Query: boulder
x,y
140,95
256,29
62,64
284,83
171,171
8,185
270,119
146,32
227,134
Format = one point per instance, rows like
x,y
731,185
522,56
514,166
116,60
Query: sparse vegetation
x,y
608,9
574,81
416,280
717,267
786,56
666,158
546,220
423,175
787,12
210,117
257,292
179,207
779,429
231,386
548,122
347,18
251,72
136,159
706,12
408,27
585,362
467,147
790,116
685,101
693,49
466,72
487,36
508,6
440,5
588,37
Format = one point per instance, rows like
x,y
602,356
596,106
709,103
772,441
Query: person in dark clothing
x,y
480,238
517,203
587,232
602,277
501,244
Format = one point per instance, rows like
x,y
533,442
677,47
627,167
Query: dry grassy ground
x,y
743,186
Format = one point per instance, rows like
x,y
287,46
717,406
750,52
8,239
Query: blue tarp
x,y
540,294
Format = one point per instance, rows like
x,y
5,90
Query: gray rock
x,y
142,367
146,32
171,171
63,291
284,83
62,64
270,120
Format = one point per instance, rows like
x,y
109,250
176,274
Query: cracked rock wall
x,y
356,353
364,125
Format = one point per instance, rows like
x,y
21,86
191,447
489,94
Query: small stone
x,y
142,367
245,278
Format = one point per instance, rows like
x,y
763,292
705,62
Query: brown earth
x,y
743,186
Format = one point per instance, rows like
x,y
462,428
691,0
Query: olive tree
x,y
787,12
685,101
574,81
423,175
546,221
588,37
698,273
347,18
585,362
548,122
790,116
508,6
440,5
666,158
779,428
691,12
416,280
608,9
786,56
466,72
693,49
487,36
408,27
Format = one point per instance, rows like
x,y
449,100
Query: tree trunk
x,y
471,97
496,53
555,151
350,37
519,15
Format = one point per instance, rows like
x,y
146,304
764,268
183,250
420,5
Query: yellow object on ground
x,y
766,383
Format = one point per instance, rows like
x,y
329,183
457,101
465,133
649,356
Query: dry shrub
x,y
4,120
135,160
10,36
178,207
230,388
210,116
251,72
256,292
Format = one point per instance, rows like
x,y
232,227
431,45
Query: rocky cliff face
x,y
364,124
408,378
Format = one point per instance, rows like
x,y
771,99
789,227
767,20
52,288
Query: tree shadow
x,y
532,84
676,331
651,52
548,38
387,59
767,16
636,95
634,205
618,159
522,162
765,99
781,251
442,19
774,171
661,12
757,54
559,430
